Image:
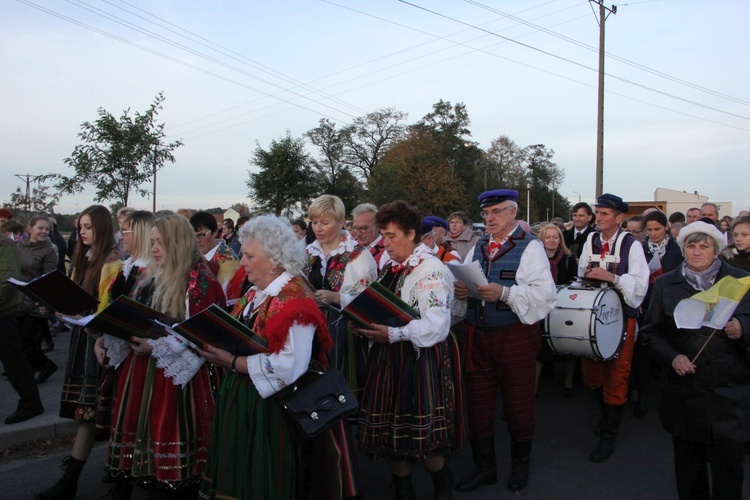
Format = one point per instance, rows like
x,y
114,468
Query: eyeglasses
x,y
127,232
361,229
203,235
494,212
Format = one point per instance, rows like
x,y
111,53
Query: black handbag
x,y
319,400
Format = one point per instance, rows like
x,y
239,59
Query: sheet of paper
x,y
469,274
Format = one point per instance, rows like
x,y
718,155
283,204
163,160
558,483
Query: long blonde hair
x,y
181,254
140,224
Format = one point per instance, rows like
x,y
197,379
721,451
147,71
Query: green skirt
x,y
252,452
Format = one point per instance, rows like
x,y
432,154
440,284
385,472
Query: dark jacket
x,y
575,245
736,258
10,267
672,255
36,259
712,405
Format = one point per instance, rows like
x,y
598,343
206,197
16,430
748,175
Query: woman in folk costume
x,y
253,454
339,268
95,264
411,408
136,242
164,406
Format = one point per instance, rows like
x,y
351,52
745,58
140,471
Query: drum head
x,y
610,324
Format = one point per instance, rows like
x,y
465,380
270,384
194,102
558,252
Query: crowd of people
x,y
203,422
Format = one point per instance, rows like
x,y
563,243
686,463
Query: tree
x,y
286,182
119,155
368,139
39,200
333,175
241,208
416,170
545,178
449,126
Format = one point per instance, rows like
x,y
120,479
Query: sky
x,y
237,74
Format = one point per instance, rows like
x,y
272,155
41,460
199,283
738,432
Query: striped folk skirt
x,y
159,431
412,403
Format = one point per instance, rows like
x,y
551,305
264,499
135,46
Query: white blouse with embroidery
x,y
429,289
359,272
272,372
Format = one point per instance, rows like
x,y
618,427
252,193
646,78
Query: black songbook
x,y
378,305
217,328
57,292
125,318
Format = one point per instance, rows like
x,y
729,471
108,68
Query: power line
x,y
575,63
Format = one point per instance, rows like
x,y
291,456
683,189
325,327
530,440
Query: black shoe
x,y
23,415
520,452
50,344
46,372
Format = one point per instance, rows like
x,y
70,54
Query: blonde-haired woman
x,y
339,268
164,406
562,265
95,263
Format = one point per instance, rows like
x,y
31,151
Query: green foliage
x,y
286,182
41,200
118,155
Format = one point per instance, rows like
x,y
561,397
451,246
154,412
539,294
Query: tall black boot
x,y
404,490
484,459
443,482
67,487
600,422
606,446
520,454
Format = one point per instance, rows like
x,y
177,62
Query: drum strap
x,y
610,258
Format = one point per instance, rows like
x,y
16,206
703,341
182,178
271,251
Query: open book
x,y
58,292
125,318
376,304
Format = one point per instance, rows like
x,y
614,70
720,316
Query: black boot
x,y
120,490
484,459
520,453
67,486
606,446
600,422
404,490
443,481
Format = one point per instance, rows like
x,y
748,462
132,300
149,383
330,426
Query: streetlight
x,y
528,201
579,196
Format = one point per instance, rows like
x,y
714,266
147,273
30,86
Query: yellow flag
x,y
714,307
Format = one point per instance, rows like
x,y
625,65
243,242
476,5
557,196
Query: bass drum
x,y
586,322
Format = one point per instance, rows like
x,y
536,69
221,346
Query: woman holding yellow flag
x,y
705,402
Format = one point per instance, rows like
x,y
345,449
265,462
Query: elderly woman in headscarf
x,y
705,401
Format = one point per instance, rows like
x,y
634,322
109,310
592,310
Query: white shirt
x,y
634,284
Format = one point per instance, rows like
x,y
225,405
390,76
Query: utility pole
x,y
603,14
28,178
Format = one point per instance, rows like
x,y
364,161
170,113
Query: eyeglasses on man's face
x,y
361,229
494,212
203,235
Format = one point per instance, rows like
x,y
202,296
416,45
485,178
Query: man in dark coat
x,y
705,402
576,236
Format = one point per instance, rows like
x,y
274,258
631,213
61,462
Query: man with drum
x,y
613,258
502,338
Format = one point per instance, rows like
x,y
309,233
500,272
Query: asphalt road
x,y
641,467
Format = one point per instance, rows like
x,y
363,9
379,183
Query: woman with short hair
x,y
411,407
461,234
705,400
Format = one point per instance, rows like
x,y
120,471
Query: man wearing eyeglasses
x,y
502,338
222,260
366,233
